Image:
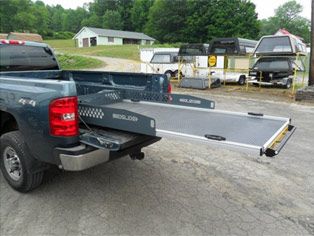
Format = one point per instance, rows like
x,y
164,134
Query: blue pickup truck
x,y
79,119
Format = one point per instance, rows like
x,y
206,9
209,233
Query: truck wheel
x,y
13,162
168,73
176,73
241,80
288,84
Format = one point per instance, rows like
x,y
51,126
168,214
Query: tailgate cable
x,y
91,131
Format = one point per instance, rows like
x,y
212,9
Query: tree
x,y
57,18
92,21
42,17
112,20
25,21
235,18
73,19
101,6
16,15
7,10
166,20
124,8
287,16
139,14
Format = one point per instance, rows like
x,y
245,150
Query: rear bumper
x,y
272,82
82,157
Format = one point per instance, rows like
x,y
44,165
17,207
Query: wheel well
x,y
8,123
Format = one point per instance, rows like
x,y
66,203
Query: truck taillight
x,y
169,88
12,42
63,117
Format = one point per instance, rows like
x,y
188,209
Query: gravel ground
x,y
179,189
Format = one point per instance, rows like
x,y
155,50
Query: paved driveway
x,y
179,188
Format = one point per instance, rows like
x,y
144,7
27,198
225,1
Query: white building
x,y
88,36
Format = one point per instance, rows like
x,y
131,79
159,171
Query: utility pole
x,y
311,76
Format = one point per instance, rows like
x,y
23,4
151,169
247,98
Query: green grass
x,y
117,51
131,52
71,62
297,86
60,43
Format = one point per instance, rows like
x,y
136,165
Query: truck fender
x,y
12,124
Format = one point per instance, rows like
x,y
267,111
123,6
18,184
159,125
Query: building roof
x,y
286,32
3,36
117,33
26,37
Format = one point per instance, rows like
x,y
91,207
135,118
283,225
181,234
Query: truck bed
x,y
185,118
241,131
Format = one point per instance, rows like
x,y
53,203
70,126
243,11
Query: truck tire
x,y
241,80
13,162
176,73
288,84
168,73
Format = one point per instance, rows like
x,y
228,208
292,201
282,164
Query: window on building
x,y
148,42
110,39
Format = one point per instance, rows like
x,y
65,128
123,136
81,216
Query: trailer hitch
x,y
137,156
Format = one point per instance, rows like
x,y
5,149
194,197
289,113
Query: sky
x,y
264,8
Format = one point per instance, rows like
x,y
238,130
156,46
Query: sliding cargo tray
x,y
248,132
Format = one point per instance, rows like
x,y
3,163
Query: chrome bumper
x,y
72,161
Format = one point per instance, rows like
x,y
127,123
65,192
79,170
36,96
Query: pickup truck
x,y
274,71
79,119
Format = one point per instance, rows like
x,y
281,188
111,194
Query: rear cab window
x,y
26,58
272,64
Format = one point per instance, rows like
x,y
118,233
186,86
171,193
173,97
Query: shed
x,y
89,36
26,37
3,36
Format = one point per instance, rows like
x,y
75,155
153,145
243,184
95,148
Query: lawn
x,y
71,62
129,51
60,43
117,51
